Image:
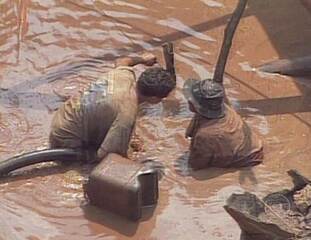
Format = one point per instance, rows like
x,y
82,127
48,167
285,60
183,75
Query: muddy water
x,y
53,48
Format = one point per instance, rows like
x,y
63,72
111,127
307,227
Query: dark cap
x,y
206,96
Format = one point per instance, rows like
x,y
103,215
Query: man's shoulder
x,y
123,74
210,128
123,70
206,134
219,128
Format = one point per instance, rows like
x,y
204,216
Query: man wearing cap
x,y
102,118
219,136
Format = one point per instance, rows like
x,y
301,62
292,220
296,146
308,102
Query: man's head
x,y
154,84
205,97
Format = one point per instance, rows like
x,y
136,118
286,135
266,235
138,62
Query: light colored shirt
x,y
102,117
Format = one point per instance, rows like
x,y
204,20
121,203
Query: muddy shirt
x,y
225,142
103,117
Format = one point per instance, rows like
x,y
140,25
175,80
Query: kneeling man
x,y
219,136
101,120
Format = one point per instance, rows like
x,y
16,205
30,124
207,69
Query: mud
x,y
279,215
53,48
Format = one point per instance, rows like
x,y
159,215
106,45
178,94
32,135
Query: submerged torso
x,y
224,142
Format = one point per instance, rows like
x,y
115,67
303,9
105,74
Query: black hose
x,y
46,155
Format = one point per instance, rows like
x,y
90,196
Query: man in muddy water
x,y
101,120
219,136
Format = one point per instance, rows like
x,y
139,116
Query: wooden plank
x,y
227,41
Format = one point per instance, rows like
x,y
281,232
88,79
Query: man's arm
x,y
118,137
191,129
147,59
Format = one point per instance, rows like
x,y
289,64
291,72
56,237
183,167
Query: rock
x,y
280,215
302,199
298,180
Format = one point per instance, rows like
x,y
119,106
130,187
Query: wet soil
x,y
53,48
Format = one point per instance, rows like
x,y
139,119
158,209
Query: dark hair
x,y
155,82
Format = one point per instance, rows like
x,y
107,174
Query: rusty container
x,y
122,186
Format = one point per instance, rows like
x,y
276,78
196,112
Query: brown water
x,y
53,47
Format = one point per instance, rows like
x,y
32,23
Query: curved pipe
x,y
46,155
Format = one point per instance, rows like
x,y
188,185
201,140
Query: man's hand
x,y
149,59
136,143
